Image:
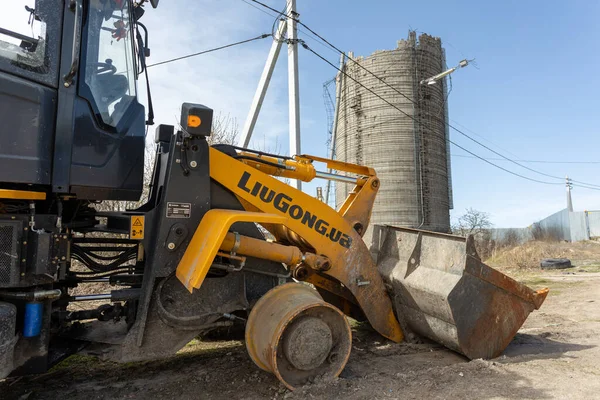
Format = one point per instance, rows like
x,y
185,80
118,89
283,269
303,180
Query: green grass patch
x,y
75,361
556,286
587,268
537,281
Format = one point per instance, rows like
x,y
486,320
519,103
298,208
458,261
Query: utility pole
x,y
293,86
286,24
569,184
263,85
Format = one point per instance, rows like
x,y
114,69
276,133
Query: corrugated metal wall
x,y
594,223
574,226
558,222
566,225
409,153
500,234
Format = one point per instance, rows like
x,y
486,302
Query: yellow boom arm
x,y
301,219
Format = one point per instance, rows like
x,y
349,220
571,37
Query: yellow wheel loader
x,y
192,258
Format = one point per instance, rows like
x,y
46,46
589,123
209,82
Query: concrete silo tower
x,y
410,153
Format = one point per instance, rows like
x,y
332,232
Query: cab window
x,y
109,64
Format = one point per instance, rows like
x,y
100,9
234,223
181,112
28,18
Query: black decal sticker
x,y
256,188
321,226
281,205
243,181
296,212
309,219
334,236
266,194
346,241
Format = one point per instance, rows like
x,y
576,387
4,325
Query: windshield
x,y
109,63
29,39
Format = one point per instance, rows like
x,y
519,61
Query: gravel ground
x,y
555,355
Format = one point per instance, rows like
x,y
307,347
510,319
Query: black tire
x,y
555,263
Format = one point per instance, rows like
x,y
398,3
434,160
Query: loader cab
x,y
71,119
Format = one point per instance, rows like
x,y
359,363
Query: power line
x,y
484,138
502,168
413,102
294,17
260,9
283,14
584,186
406,97
331,45
409,116
279,13
263,36
533,161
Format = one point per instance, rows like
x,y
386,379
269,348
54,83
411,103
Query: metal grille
x,y
8,252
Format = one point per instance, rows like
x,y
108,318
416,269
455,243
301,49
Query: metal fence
x,y
564,225
593,219
503,235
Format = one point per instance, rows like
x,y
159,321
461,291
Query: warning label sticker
x,y
136,231
179,210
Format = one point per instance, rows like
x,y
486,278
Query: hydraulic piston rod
x,y
289,255
298,168
337,177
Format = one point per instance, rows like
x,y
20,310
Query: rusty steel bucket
x,y
293,333
442,290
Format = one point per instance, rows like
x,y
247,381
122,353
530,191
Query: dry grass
x,y
529,255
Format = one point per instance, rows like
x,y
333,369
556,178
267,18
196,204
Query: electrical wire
x,y
406,97
412,118
260,9
280,14
580,184
451,126
263,36
533,161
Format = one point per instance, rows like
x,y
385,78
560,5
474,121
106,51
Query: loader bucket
x,y
442,290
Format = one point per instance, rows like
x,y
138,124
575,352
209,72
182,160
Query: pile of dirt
x,y
529,255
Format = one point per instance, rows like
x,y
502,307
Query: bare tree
x,y
477,223
473,222
225,130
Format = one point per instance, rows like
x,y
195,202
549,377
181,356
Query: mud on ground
x,y
555,355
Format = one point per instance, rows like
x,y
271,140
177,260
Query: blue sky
x,y
534,96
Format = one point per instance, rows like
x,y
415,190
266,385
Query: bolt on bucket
x,y
442,290
293,333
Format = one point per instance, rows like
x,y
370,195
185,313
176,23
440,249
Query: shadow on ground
x,y
526,347
376,369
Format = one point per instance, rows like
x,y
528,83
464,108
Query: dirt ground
x,y
555,355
